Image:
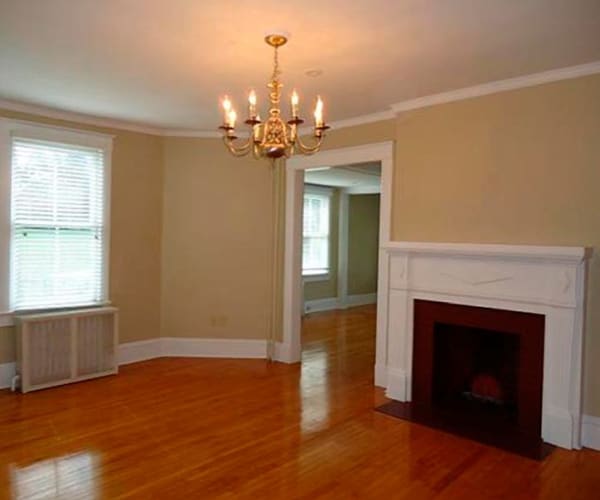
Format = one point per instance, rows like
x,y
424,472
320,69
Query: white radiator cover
x,y
63,347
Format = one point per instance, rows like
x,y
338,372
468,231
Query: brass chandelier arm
x,y
238,150
256,151
309,149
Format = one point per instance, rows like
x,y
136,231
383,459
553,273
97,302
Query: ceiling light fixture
x,y
274,137
313,73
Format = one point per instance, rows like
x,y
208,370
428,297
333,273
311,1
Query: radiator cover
x,y
64,347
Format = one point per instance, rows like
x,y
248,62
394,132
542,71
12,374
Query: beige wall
x,y
361,134
217,237
363,243
216,242
323,289
136,215
519,167
7,345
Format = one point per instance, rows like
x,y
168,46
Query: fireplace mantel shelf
x,y
527,252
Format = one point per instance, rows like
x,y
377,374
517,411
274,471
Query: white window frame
x,y
10,128
321,191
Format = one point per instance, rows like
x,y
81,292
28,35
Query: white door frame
x,y
290,349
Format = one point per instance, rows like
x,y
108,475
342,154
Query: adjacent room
x,y
299,249
340,247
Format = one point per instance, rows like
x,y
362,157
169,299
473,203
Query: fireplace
x,y
479,372
485,336
475,371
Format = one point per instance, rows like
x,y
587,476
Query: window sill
x,y
7,318
311,278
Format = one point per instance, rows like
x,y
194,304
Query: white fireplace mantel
x,y
539,279
525,252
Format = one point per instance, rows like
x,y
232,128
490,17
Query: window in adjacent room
x,y
58,220
316,236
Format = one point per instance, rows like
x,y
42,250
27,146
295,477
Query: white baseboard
x,y
361,300
380,375
142,350
590,432
285,354
7,372
213,348
318,305
558,428
132,352
398,385
332,303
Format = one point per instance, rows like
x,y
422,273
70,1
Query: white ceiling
x,y
359,175
165,63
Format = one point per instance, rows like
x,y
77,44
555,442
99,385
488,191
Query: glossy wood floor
x,y
207,428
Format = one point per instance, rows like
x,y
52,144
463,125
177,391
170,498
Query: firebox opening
x,y
475,374
478,372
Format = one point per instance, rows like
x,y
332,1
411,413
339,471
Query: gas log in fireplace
x,y
478,372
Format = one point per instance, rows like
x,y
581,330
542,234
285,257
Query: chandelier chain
x,y
276,71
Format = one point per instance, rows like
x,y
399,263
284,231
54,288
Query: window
x,y
57,227
315,247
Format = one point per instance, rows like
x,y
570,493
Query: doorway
x,y
340,239
290,348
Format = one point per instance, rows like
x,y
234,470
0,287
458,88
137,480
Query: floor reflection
x,y
314,391
337,349
67,477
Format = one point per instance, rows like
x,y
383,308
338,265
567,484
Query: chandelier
x,y
274,137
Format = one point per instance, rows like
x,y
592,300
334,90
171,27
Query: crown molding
x,y
19,125
81,118
85,119
519,82
353,122
201,134
399,107
350,122
363,119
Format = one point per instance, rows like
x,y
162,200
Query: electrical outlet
x,y
219,320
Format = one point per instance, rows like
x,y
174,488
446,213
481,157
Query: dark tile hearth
x,y
470,427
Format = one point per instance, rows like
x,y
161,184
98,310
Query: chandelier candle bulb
x,y
295,100
252,104
319,113
226,108
232,116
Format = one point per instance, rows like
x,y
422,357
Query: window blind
x,y
57,224
315,246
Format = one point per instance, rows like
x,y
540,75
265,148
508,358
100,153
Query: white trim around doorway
x,y
292,273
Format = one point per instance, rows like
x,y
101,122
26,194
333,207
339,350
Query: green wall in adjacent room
x,y
363,243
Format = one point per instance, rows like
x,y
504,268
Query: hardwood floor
x,y
209,428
